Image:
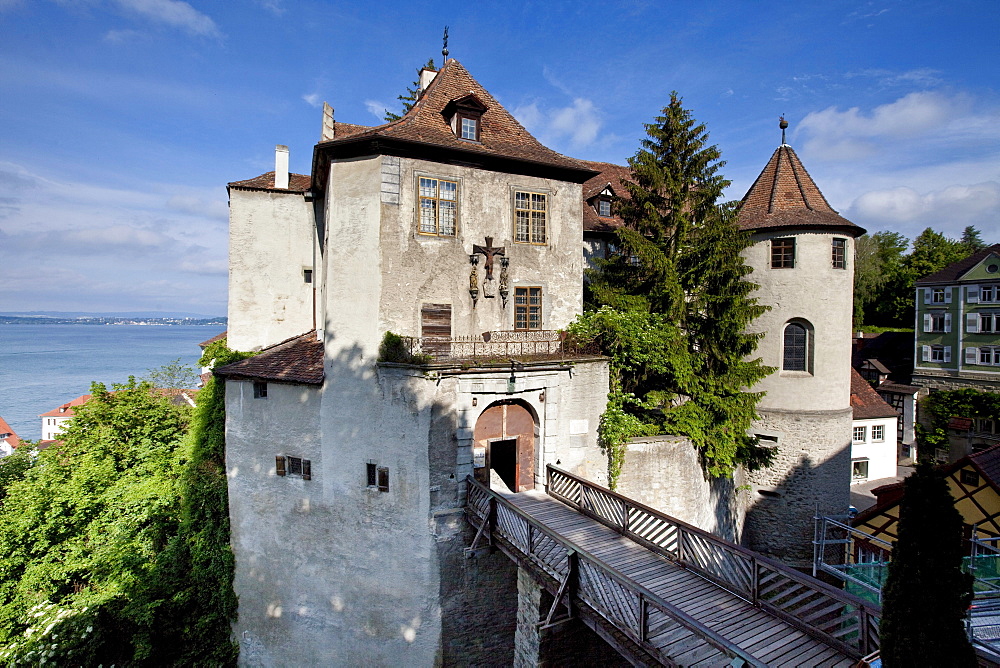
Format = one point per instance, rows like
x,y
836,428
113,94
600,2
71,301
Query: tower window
x,y
783,253
840,253
797,347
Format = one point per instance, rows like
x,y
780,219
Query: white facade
x,y
873,449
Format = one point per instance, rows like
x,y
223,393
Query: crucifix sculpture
x,y
489,250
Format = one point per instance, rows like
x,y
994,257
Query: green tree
x,y
412,93
878,265
971,240
173,375
926,593
676,303
15,466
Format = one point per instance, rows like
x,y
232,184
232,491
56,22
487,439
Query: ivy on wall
x,y
940,407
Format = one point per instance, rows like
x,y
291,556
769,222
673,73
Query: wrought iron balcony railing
x,y
500,347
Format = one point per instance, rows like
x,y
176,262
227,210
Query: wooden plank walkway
x,y
768,639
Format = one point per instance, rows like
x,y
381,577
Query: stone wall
x,y
665,472
810,474
944,380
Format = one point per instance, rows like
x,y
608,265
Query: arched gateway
x,y
505,443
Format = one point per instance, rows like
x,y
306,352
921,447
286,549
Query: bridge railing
x,y
630,607
825,612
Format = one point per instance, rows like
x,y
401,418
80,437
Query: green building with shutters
x,y
958,325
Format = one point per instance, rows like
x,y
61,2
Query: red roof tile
x,y
298,360
66,410
784,195
217,337
297,183
426,123
610,175
12,440
956,270
866,402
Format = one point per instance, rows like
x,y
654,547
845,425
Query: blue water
x,y
43,366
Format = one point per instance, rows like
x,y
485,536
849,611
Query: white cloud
x,y
122,36
578,124
313,100
376,109
276,7
197,206
174,13
950,208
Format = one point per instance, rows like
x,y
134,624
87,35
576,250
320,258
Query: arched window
x,y
797,347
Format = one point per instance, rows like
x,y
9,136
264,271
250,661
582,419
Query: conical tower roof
x,y
785,196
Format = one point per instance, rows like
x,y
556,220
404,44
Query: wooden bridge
x,y
662,592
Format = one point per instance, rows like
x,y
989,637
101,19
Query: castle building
x,y
457,232
405,298
802,259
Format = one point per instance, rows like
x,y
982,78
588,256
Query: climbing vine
x,y
940,407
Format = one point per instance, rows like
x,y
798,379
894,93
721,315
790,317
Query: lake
x,y
43,366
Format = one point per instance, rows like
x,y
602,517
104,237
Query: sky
x,y
121,121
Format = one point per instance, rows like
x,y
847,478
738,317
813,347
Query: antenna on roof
x,y
444,49
782,123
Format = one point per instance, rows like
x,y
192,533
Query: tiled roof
x,y
893,350
960,423
12,440
297,183
988,463
898,388
610,174
784,195
425,123
956,270
66,410
298,360
217,337
866,402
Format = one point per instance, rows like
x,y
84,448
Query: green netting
x,y
986,570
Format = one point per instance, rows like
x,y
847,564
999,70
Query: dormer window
x,y
604,208
465,116
470,128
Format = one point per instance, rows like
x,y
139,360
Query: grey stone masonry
x,y
527,641
390,180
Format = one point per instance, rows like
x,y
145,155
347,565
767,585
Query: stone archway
x,y
504,441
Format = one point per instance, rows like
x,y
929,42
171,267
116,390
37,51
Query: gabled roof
x,y
956,270
612,176
12,440
297,360
785,196
425,131
866,402
66,409
297,183
217,337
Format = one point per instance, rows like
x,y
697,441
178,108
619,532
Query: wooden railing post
x,y
572,578
864,637
492,519
643,618
754,581
624,518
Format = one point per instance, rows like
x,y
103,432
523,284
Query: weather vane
x,y
782,123
444,51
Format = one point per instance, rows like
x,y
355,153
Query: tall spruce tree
x,y
926,593
679,265
412,93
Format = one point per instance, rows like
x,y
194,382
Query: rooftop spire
x,y
444,49
783,124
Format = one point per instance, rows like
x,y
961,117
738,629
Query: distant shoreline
x,y
112,320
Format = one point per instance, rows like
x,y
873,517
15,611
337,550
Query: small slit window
x,y
307,275
259,390
840,253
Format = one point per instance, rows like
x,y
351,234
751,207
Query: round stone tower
x,y
803,262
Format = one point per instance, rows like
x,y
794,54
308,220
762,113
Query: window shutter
x,y
972,323
972,294
928,322
947,353
947,295
971,355
435,329
925,353
927,295
306,469
947,322
279,465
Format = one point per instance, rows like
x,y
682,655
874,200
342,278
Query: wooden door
x,y
504,429
435,329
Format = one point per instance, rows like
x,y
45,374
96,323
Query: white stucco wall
x,y
881,455
270,243
378,259
813,291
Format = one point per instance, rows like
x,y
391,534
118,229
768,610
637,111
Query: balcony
x,y
496,348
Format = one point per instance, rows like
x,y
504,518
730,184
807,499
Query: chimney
x,y
281,167
426,77
328,131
